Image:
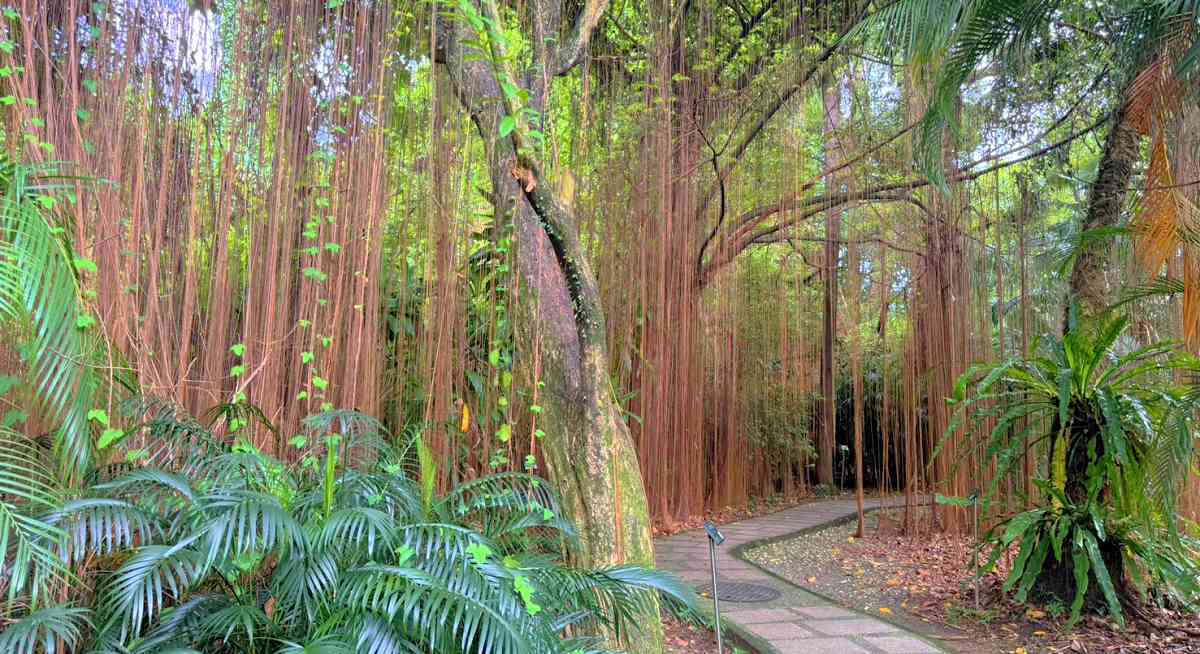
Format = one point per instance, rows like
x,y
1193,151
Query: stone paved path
x,y
798,622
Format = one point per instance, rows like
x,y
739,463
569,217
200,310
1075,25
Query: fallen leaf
x,y
885,610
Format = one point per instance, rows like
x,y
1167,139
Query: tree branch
x,y
745,234
571,53
775,106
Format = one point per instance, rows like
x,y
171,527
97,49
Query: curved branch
x,y
777,104
572,51
745,233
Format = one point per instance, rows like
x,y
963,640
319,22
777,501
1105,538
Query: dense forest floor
x,y
925,584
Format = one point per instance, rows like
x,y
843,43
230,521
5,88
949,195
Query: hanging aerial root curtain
x,y
236,214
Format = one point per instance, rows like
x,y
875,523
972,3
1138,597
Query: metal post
x,y
975,552
715,538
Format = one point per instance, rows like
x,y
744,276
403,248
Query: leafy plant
x,y
39,291
233,550
1121,440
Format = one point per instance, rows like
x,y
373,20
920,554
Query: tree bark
x,y
1088,298
589,452
1089,290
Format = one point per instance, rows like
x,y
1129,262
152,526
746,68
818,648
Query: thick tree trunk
x,y
1088,298
588,447
1090,289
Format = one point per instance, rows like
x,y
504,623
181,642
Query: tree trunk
x,y
1089,288
1088,298
833,227
588,448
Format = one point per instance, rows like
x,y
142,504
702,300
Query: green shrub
x,y
1121,440
214,546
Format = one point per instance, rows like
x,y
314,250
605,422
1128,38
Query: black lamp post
x,y
715,538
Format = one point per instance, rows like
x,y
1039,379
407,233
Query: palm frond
x,y
29,545
136,593
323,645
38,284
51,629
102,526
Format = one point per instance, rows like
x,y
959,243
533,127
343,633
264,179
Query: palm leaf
x,y
29,545
38,284
52,629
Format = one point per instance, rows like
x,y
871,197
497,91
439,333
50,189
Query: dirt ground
x,y
686,638
925,584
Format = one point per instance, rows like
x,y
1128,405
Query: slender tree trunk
x,y
833,227
856,364
1028,204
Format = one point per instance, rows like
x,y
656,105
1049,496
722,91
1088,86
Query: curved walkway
x,y
798,622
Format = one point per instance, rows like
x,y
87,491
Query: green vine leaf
x,y
507,125
110,437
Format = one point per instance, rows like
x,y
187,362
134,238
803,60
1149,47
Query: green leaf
x,y
110,437
504,434
404,554
507,125
7,383
237,371
84,321
479,552
238,349
525,590
320,382
99,416
90,86
86,265
1065,377
1100,570
306,357
1020,524
1081,567
14,417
